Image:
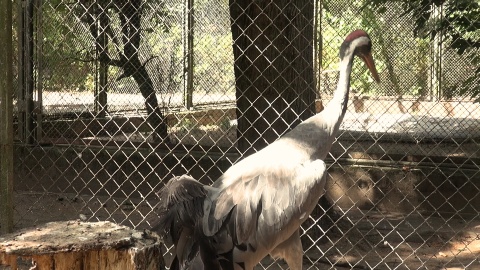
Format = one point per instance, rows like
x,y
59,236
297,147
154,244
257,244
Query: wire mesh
x,y
116,97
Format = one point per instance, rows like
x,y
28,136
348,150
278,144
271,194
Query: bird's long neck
x,y
340,98
332,116
320,136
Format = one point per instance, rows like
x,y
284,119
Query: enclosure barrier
x,y
113,98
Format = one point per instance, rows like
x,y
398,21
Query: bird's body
x,y
257,206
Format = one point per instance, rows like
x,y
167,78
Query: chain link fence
x,y
116,97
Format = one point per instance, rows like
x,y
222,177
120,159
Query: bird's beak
x,y
368,59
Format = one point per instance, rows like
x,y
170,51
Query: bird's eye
x,y
363,50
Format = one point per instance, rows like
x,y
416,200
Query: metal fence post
x,y
437,47
189,52
101,88
6,118
26,71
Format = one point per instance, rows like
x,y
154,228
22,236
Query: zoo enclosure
x,y
84,145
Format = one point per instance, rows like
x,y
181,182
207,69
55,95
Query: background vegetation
x,y
419,53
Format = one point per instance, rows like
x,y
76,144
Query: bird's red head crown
x,y
356,34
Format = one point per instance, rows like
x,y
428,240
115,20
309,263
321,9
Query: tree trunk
x,y
81,245
273,50
130,13
130,17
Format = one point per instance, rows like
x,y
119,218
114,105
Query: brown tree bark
x,y
273,50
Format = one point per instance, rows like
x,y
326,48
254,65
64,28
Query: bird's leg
x,y
291,251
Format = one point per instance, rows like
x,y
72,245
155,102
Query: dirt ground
x,y
363,240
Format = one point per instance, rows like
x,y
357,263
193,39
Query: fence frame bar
x,y
6,118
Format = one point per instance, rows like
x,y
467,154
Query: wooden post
x,y
6,118
80,245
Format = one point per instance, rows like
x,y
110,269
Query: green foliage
x,y
459,28
407,52
341,17
187,124
61,58
168,67
213,61
393,47
68,57
225,124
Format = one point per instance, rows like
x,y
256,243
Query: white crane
x,y
257,206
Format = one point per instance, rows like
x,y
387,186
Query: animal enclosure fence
x,y
114,98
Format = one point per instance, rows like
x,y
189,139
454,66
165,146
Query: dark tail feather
x,y
180,210
175,265
208,254
181,205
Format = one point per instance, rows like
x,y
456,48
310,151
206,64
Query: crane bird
x,y
256,207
